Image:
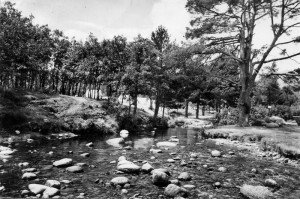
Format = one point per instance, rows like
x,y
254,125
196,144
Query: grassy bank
x,y
284,140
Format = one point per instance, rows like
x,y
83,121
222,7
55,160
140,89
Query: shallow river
x,y
99,169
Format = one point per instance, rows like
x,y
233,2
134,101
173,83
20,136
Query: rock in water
x,y
74,169
270,183
124,133
216,153
53,183
256,192
189,186
91,144
115,142
184,176
28,176
63,162
222,169
37,188
50,192
85,155
119,181
160,178
128,167
166,144
147,168
29,170
121,158
173,190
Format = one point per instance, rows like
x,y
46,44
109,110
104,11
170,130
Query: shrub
x,y
258,112
228,116
282,111
295,110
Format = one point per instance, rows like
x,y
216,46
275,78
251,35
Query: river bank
x,y
26,111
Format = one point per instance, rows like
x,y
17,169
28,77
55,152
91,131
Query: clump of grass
x,y
256,192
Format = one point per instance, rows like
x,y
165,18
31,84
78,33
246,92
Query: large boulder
x,y
173,190
63,162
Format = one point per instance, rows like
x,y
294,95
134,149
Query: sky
x,y
108,18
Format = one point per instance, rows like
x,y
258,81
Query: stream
x,y
100,168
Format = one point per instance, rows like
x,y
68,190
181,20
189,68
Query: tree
x,y
239,18
134,79
160,38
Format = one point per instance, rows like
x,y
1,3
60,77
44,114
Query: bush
x,y
258,113
228,116
282,111
295,110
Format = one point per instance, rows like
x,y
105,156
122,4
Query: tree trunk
x,y
197,110
151,104
186,108
157,105
134,106
163,114
129,101
203,110
245,101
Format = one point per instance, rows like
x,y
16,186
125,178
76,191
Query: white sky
x,y
107,18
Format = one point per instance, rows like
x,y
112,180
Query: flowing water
x,y
99,169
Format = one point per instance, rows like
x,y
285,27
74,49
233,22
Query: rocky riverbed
x,y
174,163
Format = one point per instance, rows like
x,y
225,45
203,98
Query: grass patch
x,y
284,140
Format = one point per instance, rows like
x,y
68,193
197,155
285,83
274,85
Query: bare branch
x,y
281,58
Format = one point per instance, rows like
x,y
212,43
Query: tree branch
x,y
278,59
